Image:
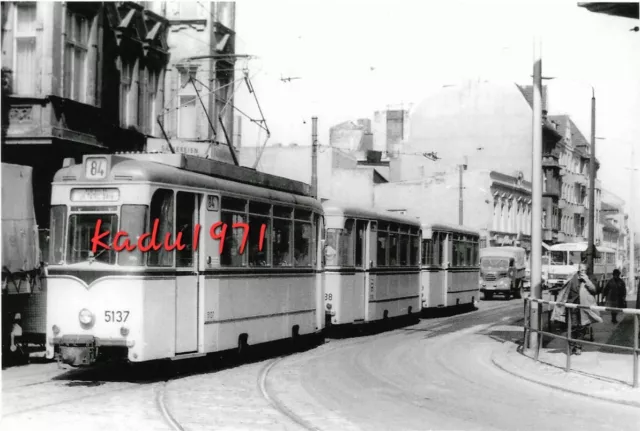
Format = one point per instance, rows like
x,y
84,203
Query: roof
x,y
426,227
578,246
527,92
333,208
625,10
577,138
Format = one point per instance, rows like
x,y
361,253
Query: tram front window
x,y
81,230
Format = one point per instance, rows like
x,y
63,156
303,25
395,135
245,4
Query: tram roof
x,y
579,246
428,228
128,170
332,208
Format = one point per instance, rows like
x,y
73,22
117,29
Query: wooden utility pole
x,y
314,156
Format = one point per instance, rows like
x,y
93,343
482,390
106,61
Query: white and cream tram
x,y
450,266
203,296
566,257
371,266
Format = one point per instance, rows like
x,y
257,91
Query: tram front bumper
x,y
77,350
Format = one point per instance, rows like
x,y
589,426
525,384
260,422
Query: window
x,y
282,243
258,217
442,239
133,222
185,223
347,244
25,71
361,231
161,211
56,234
187,118
233,211
302,238
81,230
427,251
393,248
75,56
383,244
403,249
415,247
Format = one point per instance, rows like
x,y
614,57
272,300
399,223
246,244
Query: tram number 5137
x,y
116,316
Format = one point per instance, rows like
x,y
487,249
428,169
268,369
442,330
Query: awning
x,y
625,10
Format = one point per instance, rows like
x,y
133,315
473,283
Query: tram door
x,y
187,217
361,268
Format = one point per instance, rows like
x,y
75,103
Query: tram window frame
x,y
346,254
414,248
135,257
427,251
57,234
298,236
403,248
233,210
110,253
443,248
282,216
162,257
259,214
360,238
186,257
382,244
394,245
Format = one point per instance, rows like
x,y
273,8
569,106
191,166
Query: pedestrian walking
x,y
615,294
578,290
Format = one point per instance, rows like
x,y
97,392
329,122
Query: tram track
x,y
283,409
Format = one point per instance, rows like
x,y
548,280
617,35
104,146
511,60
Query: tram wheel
x,y
243,347
488,295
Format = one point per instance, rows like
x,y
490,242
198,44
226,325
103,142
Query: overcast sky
x,y
355,57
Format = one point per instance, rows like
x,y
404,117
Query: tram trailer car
x,y
159,304
372,268
450,267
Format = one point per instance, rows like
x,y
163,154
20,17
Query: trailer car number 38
x,y
116,316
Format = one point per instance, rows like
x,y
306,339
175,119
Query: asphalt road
x,y
436,374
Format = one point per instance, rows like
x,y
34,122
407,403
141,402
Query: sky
x,y
356,57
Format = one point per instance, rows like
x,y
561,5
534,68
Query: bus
x,y
450,266
372,271
217,257
566,257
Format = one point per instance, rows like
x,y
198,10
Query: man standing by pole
x,y
536,193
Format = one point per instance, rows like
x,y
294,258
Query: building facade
x,y
81,78
199,112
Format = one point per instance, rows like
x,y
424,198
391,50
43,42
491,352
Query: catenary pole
x,y
536,192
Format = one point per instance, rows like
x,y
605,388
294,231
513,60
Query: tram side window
x,y
259,215
134,222
161,210
427,251
442,238
56,241
403,249
469,249
347,240
302,243
383,244
361,229
415,247
393,246
282,236
185,216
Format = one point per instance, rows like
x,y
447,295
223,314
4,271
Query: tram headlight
x,y
86,318
328,306
55,329
124,331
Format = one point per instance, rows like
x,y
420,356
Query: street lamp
x,y
461,168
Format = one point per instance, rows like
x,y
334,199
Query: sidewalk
x,y
602,373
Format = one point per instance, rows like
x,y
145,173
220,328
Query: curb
x,y
560,388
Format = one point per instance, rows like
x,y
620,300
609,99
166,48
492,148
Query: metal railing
x,y
528,305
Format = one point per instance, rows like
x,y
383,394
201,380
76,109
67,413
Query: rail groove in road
x,y
164,410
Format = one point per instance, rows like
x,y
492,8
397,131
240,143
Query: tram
x,y
566,257
211,261
450,268
371,266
